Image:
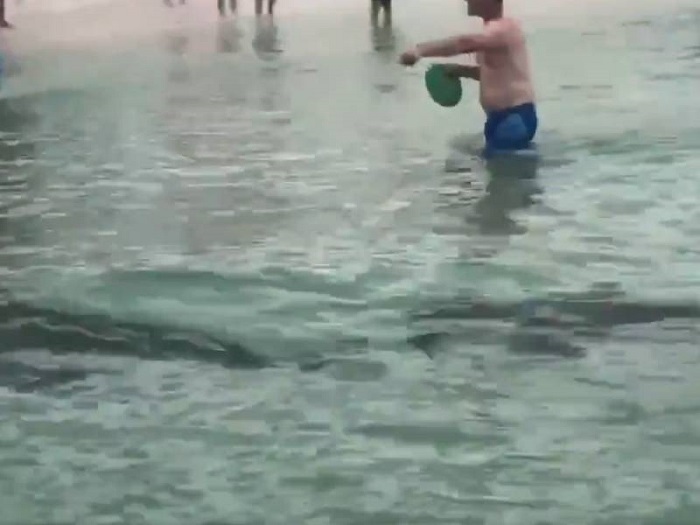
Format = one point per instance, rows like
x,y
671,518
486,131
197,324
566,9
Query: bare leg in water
x,y
381,5
259,7
232,5
3,21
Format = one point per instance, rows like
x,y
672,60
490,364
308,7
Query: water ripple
x,y
234,274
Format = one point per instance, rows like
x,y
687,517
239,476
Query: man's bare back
x,y
506,91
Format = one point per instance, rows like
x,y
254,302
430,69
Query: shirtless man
x,y
506,92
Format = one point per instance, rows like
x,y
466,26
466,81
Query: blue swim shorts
x,y
510,129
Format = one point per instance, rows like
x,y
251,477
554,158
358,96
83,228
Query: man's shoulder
x,y
505,25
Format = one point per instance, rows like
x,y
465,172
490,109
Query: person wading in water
x,y
232,4
4,24
378,6
221,4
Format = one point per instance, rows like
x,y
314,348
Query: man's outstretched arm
x,y
458,45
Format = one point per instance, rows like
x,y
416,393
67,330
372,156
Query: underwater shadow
x,y
512,186
556,324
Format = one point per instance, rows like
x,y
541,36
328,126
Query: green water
x,y
285,187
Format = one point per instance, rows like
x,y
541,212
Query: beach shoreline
x,y
103,22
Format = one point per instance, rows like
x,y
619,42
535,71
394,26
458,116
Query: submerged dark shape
x,y
24,326
560,312
551,324
26,378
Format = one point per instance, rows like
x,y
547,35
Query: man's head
x,y
485,9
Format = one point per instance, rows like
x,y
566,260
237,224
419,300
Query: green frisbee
x,y
444,89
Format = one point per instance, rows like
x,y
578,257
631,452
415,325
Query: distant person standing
x,y
233,6
259,6
222,6
381,5
4,24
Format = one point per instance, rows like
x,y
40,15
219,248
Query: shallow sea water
x,y
239,264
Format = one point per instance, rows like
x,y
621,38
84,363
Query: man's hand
x,y
409,58
453,70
